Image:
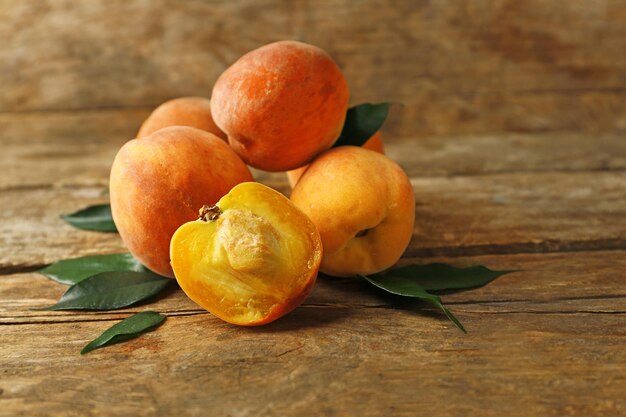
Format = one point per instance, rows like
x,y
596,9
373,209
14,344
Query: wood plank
x,y
508,213
589,282
513,213
547,340
32,233
462,155
77,149
494,65
324,362
63,149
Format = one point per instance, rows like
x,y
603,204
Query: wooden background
x,y
511,123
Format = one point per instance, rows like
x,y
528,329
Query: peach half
x,y
363,206
250,259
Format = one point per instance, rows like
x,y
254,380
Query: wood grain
x,y
590,282
510,120
77,148
492,65
508,213
550,192
325,362
63,148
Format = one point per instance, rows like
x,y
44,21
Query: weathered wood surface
x,y
508,213
520,192
535,288
547,340
76,149
511,127
492,65
326,361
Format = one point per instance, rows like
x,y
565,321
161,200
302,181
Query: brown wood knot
x,y
209,213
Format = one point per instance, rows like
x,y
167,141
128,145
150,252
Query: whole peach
x,y
364,207
375,143
160,181
183,111
281,104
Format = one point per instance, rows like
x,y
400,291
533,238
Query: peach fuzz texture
x,y
281,104
160,181
363,206
183,111
375,143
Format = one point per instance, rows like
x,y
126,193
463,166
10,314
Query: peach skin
x,y
158,182
375,143
281,105
183,111
364,207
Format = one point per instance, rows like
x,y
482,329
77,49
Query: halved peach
x,y
250,259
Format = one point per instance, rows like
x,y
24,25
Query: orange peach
x,y
281,105
250,259
364,207
184,111
375,143
158,182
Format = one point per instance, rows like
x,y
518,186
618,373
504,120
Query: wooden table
x,y
545,194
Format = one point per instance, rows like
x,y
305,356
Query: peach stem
x,y
209,213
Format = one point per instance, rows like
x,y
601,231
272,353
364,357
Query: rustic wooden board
x,y
63,148
508,213
547,340
77,149
77,79
325,361
589,282
32,233
477,195
518,213
492,65
551,192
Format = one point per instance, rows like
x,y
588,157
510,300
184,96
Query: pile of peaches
x,y
186,206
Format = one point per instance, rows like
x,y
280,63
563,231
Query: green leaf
x,y
97,218
127,329
408,288
110,291
72,271
362,122
439,277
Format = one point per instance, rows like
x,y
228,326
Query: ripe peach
x,y
250,259
363,205
159,181
281,104
375,143
183,111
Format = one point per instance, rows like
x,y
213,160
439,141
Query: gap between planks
x,y
545,247
283,185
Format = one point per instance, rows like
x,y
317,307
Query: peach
x,y
281,105
158,182
250,259
183,111
363,206
375,143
